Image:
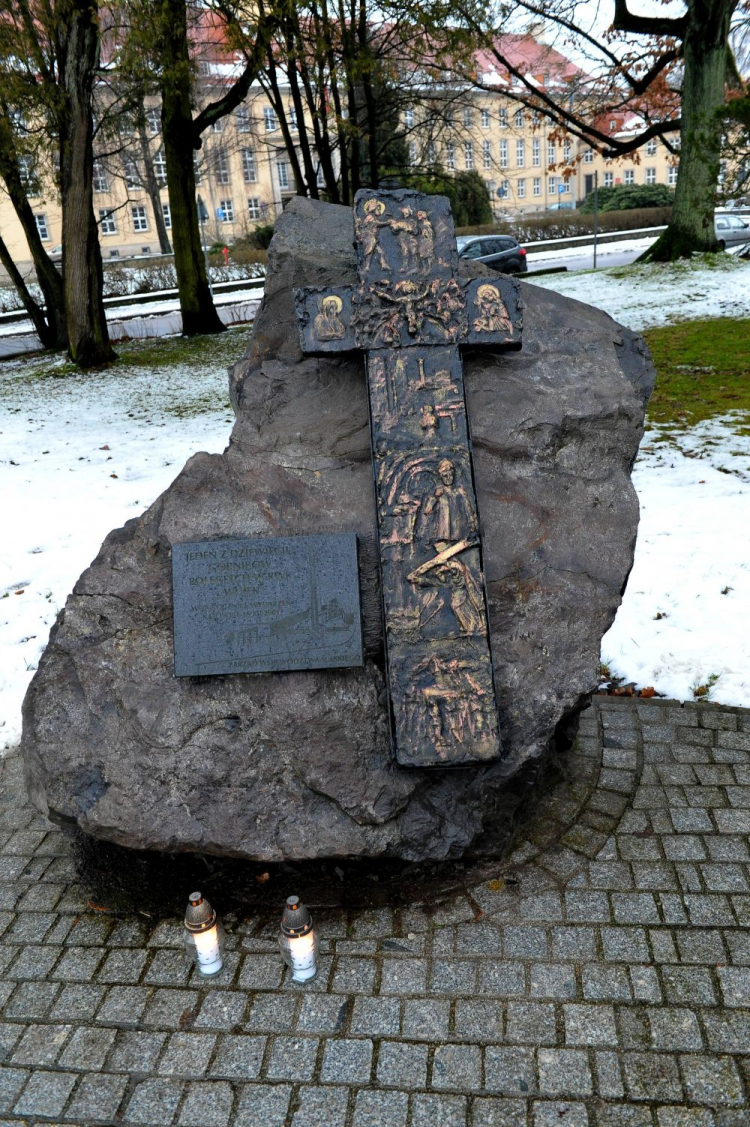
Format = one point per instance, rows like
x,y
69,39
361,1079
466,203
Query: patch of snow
x,y
643,296
80,456
692,567
603,249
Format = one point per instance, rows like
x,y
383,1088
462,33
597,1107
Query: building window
x,y
564,186
166,211
107,223
490,186
537,186
486,154
588,156
409,118
536,152
153,121
99,178
253,208
502,117
518,119
160,168
218,125
42,228
412,149
629,176
503,154
140,219
242,118
520,154
198,170
468,117
269,119
249,170
450,157
651,148
26,171
292,119
431,152
612,125
469,155
504,189
114,254
485,116
226,211
672,174
551,152
320,176
282,170
132,178
608,179
222,166
552,185
566,151
521,188
650,175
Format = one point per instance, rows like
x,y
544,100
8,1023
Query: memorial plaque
x,y
266,604
410,313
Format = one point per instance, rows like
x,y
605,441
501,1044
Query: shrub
x,y
626,197
568,224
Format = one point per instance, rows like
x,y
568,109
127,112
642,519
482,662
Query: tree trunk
x,y
45,331
196,303
48,276
152,187
691,227
83,282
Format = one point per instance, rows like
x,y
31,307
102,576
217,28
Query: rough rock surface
x,y
297,764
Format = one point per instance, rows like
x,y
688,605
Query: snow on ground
x,y
80,455
692,567
540,257
643,296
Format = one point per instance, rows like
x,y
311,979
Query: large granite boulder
x,y
297,765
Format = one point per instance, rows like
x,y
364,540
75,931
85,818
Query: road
x,y
609,254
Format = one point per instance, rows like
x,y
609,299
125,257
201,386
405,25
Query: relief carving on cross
x,y
409,314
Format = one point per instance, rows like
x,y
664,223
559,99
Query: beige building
x,y
244,177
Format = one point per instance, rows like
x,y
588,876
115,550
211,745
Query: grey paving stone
x,y
272,1013
684,847
187,1054
552,980
550,1113
263,1105
478,1020
502,979
321,1107
208,1103
453,976
426,1019
123,965
78,1002
449,1111
727,1031
614,875
354,976
154,1102
402,1065
40,1045
346,1061
87,1049
376,1017
79,964
498,1113
292,1058
168,968
33,963
674,1028
688,985
261,972
564,1072
10,1034
322,1014
509,1070
590,1025
136,1051
31,999
530,1023
376,1109
672,908
691,821
684,1117
576,943
735,985
12,1081
609,1083
710,910
238,1057
625,944
608,982
700,946
97,1098
739,946
587,907
457,1068
45,1094
635,907
221,1009
30,927
712,1080
403,976
124,1005
645,983
652,1076
170,1009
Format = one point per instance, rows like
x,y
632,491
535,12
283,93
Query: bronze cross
x,y
409,314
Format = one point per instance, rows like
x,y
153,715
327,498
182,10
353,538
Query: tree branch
x,y
626,20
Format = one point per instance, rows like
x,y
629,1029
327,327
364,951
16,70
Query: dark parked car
x,y
501,252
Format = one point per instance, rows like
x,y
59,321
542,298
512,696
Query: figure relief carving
x,y
328,324
447,703
449,514
367,230
492,314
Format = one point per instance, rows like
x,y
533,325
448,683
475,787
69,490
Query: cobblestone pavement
x,y
602,979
